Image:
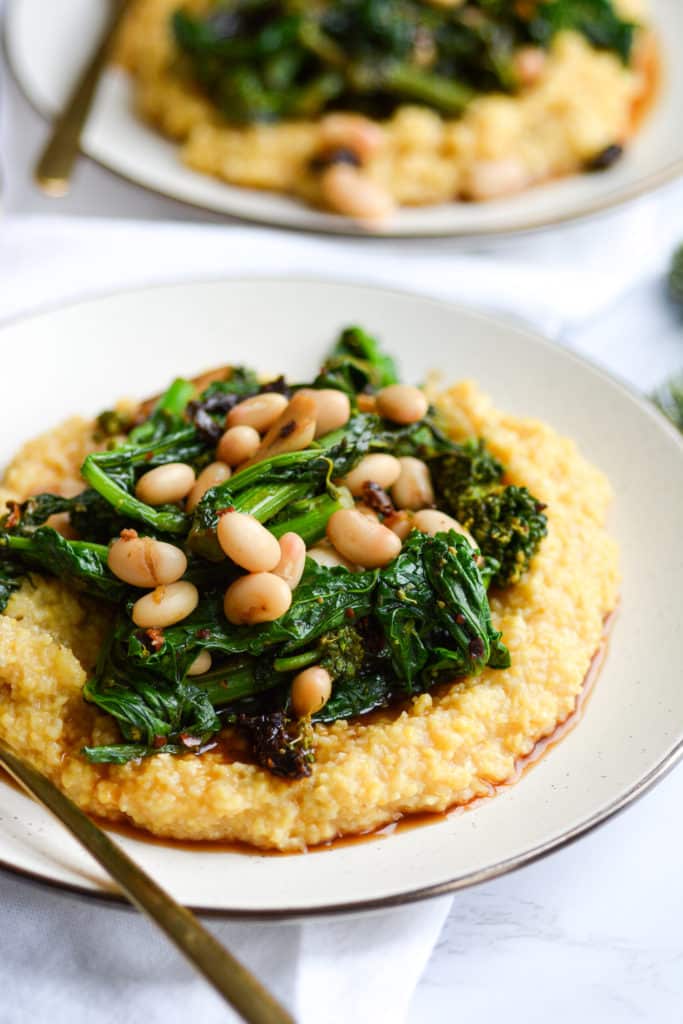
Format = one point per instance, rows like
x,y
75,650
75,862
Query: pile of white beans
x,y
258,428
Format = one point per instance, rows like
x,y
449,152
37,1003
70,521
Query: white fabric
x,y
63,960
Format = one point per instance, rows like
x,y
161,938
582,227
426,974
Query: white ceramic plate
x,y
80,358
40,41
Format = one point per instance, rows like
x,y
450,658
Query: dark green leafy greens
x,y
260,60
81,564
434,612
383,635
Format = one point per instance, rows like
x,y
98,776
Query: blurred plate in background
x,y
45,42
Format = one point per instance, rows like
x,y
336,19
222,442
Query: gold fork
x,y
227,975
56,163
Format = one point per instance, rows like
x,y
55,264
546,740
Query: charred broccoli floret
x,y
508,524
281,744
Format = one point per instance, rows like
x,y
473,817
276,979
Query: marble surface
x,y
594,932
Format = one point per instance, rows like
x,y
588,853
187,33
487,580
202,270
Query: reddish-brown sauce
x,y
9,781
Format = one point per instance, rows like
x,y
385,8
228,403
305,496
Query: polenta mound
x,y
443,749
582,104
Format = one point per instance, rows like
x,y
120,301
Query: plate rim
x,y
345,228
356,907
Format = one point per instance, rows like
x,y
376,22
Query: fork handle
x,y
229,977
56,162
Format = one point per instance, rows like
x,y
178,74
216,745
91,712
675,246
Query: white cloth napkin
x,y
63,960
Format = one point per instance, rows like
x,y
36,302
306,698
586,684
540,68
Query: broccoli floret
x,y
507,523
676,276
470,466
111,423
342,653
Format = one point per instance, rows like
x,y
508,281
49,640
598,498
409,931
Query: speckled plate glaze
x,y
40,42
632,729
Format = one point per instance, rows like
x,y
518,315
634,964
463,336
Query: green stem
x,y
226,685
296,661
25,545
448,96
311,523
263,502
253,474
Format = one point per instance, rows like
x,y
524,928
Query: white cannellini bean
x,y
351,131
324,554
413,489
165,606
292,431
165,485
431,521
379,468
61,522
402,403
530,63
258,412
366,403
361,539
258,597
400,523
238,444
215,473
200,665
490,179
292,559
247,542
332,409
348,190
145,562
311,690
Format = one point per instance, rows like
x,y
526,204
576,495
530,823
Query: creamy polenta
x,y
442,749
574,104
